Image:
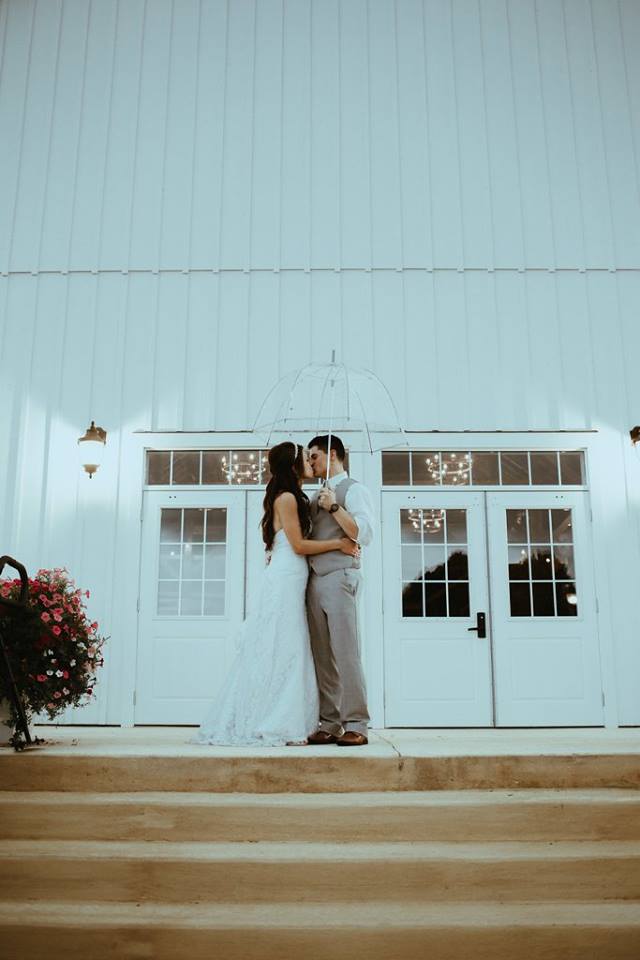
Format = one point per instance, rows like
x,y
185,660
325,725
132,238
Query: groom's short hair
x,y
322,443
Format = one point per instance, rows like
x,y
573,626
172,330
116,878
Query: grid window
x,y
541,563
482,468
192,562
435,564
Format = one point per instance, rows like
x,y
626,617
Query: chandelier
x,y
242,467
429,521
450,468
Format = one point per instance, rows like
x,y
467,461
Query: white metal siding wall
x,y
199,196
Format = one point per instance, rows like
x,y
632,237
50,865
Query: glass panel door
x,y
547,663
437,666
191,601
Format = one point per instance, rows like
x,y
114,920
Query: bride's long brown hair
x,y
286,461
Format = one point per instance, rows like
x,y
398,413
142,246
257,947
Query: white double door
x,y
201,559
489,610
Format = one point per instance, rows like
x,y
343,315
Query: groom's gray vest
x,y
326,527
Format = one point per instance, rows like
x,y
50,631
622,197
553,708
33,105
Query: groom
x,y
342,508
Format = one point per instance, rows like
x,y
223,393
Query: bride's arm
x,y
288,514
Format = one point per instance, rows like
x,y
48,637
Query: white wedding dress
x,y
270,697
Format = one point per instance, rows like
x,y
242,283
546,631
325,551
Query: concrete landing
x,y
103,759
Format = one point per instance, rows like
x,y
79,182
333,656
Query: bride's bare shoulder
x,y
284,499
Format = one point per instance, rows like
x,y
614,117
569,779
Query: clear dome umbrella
x,y
332,398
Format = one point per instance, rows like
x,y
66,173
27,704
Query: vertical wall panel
x,y
470,117
386,188
169,370
177,182
564,183
150,150
622,180
34,145
209,135
443,143
325,134
531,134
200,362
93,136
16,22
501,134
118,185
296,135
413,133
600,250
55,230
238,135
355,137
266,180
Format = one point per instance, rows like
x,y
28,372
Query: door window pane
x,y
434,560
566,599
520,597
435,599
168,597
412,600
216,525
457,564
516,526
191,598
456,526
543,600
519,563
170,525
458,599
214,563
539,526
411,562
214,598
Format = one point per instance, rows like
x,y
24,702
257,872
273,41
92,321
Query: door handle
x,y
481,625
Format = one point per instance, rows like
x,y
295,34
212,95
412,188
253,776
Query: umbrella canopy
x,y
332,398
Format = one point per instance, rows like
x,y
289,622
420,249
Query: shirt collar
x,y
338,478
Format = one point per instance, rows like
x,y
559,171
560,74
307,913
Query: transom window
x,y
484,468
210,467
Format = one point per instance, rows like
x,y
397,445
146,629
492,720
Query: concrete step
x,y
307,772
323,872
452,816
377,931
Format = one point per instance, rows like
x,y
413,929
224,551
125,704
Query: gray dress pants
x,y
335,642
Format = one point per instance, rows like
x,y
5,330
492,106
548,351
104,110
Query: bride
x,y
270,697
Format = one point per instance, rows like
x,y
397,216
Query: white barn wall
x,y
200,196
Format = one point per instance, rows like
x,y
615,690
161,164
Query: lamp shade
x,y
91,447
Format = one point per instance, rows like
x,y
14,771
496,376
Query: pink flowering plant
x,y
55,653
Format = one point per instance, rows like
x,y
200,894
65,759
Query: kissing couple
x,y
297,677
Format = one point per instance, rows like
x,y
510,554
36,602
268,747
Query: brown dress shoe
x,y
321,738
352,739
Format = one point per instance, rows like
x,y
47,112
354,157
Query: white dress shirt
x,y
358,502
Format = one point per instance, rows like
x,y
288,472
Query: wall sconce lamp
x,y
92,449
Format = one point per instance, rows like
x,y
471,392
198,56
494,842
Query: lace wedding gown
x,y
270,696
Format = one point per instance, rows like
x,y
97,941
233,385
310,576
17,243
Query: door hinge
x,y
138,604
135,697
603,699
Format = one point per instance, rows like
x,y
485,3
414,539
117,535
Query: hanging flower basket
x,y
55,654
